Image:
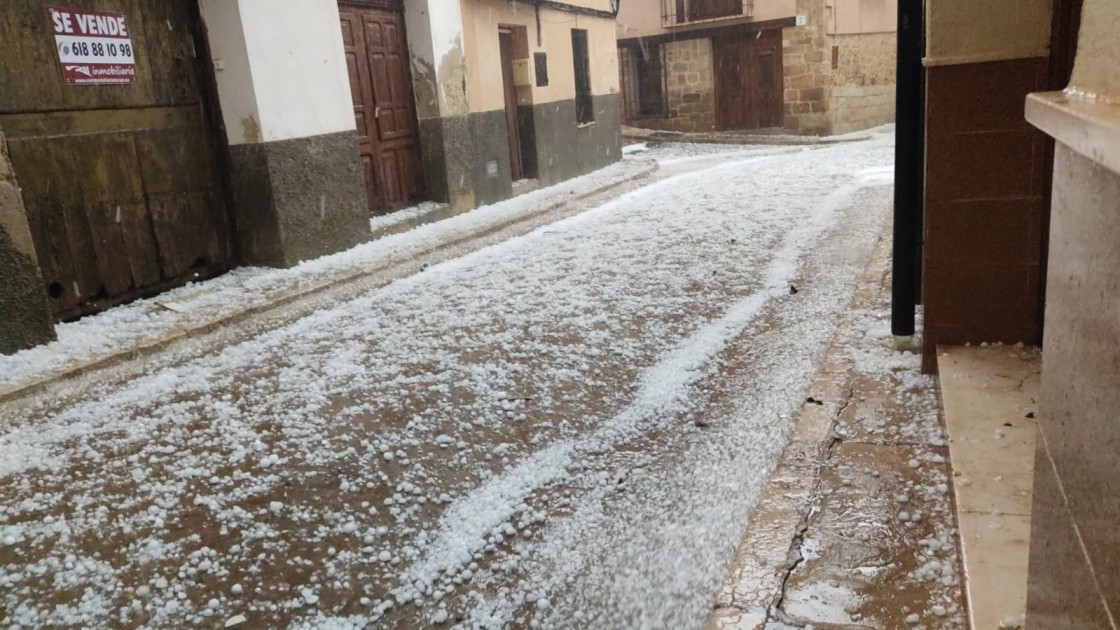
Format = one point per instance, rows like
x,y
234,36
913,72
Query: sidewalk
x,y
146,326
856,528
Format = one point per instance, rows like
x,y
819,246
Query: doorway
x,y
120,178
377,60
509,85
748,81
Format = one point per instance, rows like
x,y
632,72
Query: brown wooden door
x,y
384,110
505,43
122,189
731,60
767,83
748,77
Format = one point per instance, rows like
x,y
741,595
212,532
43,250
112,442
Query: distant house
x,y
182,139
804,66
502,91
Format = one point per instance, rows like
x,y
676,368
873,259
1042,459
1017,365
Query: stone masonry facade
x,y
806,66
833,84
836,84
863,84
690,88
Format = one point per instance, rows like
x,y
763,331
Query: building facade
x,y
148,144
512,90
804,66
1021,238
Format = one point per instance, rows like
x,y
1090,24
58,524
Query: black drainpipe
x,y
909,166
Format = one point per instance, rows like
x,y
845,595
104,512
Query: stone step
x,y
990,398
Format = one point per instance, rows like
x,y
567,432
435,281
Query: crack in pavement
x,y
795,558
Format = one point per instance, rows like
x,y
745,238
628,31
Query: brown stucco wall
x,y
985,206
967,31
25,318
863,82
863,16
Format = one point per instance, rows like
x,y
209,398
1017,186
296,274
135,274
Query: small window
x,y
585,111
540,60
681,11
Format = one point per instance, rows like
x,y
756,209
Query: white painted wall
x,y
280,68
235,81
435,40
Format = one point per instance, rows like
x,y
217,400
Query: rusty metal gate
x,y
105,107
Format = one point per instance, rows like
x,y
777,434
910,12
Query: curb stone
x,y
657,137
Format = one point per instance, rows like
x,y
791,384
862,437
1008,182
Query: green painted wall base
x,y
467,161
298,199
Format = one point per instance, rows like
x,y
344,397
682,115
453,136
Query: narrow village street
x,y
570,428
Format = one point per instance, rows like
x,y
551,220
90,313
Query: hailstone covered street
x,y
569,428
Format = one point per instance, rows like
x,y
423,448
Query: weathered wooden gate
x,y
748,80
384,110
120,181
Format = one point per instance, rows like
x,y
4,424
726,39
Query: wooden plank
x,y
167,50
83,256
354,45
187,214
187,235
176,159
45,171
392,143
104,183
139,241
66,123
116,212
748,81
120,181
30,78
505,48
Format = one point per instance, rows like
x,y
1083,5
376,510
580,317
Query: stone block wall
x,y
819,99
863,82
690,88
806,69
